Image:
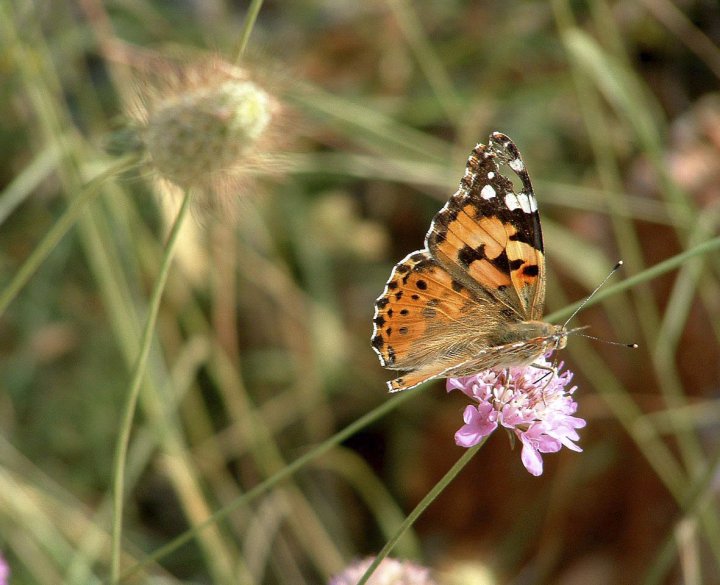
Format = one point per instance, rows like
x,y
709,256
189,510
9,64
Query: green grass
x,y
263,447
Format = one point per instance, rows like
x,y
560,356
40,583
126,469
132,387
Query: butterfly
x,y
473,298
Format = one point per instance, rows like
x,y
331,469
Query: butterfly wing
x,y
488,236
446,309
426,322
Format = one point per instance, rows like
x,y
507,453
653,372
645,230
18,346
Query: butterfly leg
x,y
550,373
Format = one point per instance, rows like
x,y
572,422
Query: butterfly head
x,y
525,341
559,337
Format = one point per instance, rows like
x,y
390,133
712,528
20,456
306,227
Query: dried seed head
x,y
206,126
207,131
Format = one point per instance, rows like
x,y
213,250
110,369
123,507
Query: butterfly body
x,y
473,298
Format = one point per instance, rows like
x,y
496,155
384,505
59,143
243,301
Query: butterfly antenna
x,y
628,345
592,294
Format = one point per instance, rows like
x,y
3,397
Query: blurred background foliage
x,y
262,343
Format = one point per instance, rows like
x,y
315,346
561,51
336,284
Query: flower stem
x,y
420,508
384,408
695,503
134,389
248,26
649,274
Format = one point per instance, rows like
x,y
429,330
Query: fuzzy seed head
x,y
205,132
207,125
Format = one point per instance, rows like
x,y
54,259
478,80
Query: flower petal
x,y
531,458
477,426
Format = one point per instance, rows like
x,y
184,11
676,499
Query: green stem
x,y
248,26
134,390
59,229
698,496
420,508
372,416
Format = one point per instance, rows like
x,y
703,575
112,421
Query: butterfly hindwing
x,y
426,321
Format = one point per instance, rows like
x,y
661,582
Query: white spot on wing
x,y
533,202
511,201
487,192
491,175
523,201
517,165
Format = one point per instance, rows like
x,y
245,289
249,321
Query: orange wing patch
x,y
484,249
419,297
425,321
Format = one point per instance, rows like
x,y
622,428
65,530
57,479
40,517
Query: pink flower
x,y
389,572
4,571
530,402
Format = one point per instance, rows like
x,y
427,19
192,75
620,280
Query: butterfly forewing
x,y
490,235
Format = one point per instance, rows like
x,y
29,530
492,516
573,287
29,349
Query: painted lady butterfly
x,y
473,298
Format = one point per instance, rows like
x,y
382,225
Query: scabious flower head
x,y
206,125
4,571
538,411
389,572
